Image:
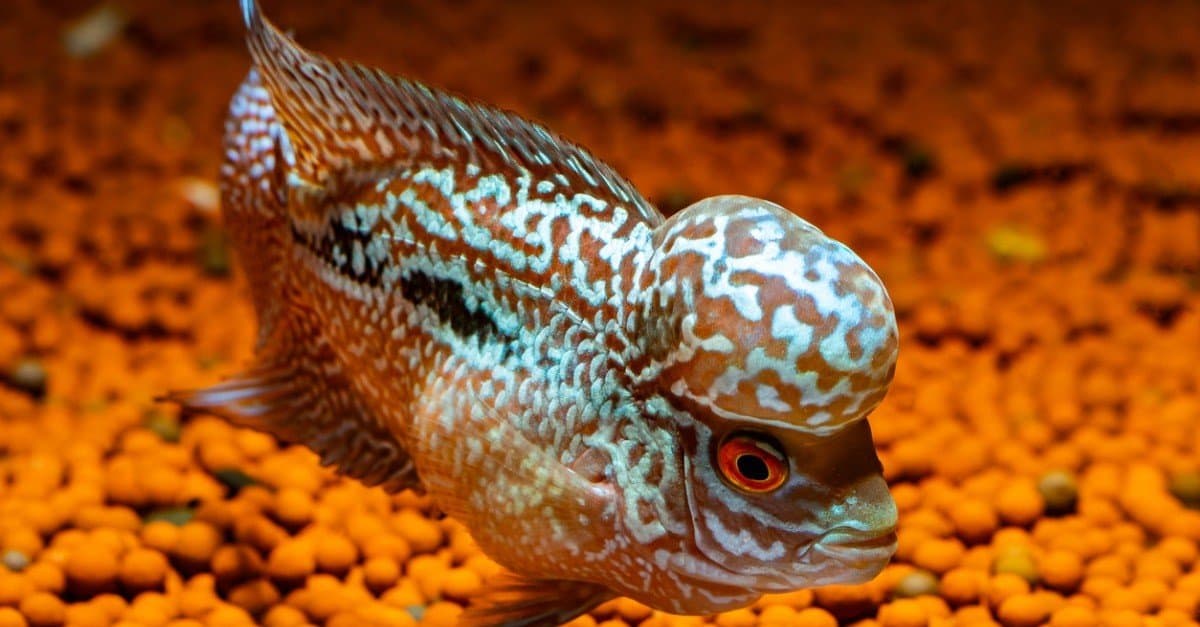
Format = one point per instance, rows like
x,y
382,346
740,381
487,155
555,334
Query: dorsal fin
x,y
343,118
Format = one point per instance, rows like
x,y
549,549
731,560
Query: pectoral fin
x,y
514,601
297,392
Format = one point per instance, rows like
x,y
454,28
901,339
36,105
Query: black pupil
x,y
753,467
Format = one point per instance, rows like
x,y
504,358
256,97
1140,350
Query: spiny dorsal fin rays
x,y
347,119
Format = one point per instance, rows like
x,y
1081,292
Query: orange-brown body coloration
x,y
454,300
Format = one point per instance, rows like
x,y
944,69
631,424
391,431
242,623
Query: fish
x,y
457,301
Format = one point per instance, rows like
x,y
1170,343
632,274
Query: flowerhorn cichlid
x,y
454,300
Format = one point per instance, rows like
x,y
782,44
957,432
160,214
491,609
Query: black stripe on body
x,y
442,296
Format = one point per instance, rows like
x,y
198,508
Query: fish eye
x,y
752,462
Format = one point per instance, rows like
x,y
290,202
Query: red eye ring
x,y
752,463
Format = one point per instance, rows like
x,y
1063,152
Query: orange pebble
x,y
974,615
22,539
387,545
91,565
484,565
236,562
963,586
198,541
1062,570
254,444
462,546
260,532
1125,599
142,569
427,571
461,583
939,555
422,534
1005,585
197,600
1183,550
441,614
361,527
151,604
254,596
974,520
293,507
87,615
10,617
1156,566
1182,600
228,615
380,573
292,559
112,605
403,594
796,600
1020,610
43,608
632,611
935,607
903,613
736,618
13,587
1019,503
1151,591
334,552
46,577
326,596
288,469
1114,566
217,455
162,484
814,617
284,616
774,616
1175,618
1121,618
1098,586
160,535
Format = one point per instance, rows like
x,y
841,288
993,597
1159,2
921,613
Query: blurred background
x,y
1024,176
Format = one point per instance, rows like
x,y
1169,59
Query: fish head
x,y
773,342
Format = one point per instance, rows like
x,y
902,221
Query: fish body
x,y
454,300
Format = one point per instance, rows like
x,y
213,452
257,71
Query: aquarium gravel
x,y
1025,179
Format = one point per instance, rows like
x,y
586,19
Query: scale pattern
x,y
470,305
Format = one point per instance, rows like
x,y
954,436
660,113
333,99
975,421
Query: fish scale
x,y
457,301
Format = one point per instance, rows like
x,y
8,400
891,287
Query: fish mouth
x,y
839,555
846,537
857,556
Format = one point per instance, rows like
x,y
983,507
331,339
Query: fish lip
x,y
867,548
858,537
844,538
